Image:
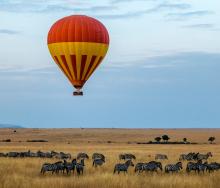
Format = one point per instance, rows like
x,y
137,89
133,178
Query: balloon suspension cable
x,y
78,92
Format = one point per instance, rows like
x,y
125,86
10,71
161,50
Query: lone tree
x,y
165,138
184,140
211,139
157,139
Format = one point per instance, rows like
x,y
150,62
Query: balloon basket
x,y
77,93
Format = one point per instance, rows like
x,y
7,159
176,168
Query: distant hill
x,y
10,126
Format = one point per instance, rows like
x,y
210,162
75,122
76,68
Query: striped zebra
x,y
70,166
98,156
204,156
80,167
173,167
189,157
196,167
202,167
191,166
48,167
212,167
82,156
126,156
160,156
139,167
62,155
123,167
98,162
152,166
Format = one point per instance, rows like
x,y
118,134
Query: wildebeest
x,y
160,156
98,162
123,167
127,156
98,156
152,166
80,167
173,167
82,156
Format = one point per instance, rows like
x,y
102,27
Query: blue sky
x,y
161,71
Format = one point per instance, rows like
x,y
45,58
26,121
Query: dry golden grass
x,y
25,173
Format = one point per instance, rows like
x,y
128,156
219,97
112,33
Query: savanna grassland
x,y
25,172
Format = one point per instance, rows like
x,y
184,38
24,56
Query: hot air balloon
x,y
78,44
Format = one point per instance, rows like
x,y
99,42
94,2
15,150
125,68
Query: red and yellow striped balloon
x,y
78,45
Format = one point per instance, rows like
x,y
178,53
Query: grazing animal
x,y
98,156
13,154
48,167
70,166
212,167
126,156
191,166
82,156
139,167
62,155
80,167
196,167
173,167
160,156
123,167
202,167
3,155
152,166
189,157
204,156
98,162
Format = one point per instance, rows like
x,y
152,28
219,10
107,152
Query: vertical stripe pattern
x,y
78,60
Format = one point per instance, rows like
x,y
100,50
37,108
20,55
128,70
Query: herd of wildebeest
x,y
196,162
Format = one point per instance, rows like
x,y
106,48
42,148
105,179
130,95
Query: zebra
x,y
3,155
62,155
152,166
80,167
202,167
212,167
173,167
98,156
189,157
55,167
70,166
13,154
196,167
204,156
127,156
98,162
138,167
82,156
123,167
160,156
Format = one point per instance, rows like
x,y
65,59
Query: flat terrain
x,y
25,173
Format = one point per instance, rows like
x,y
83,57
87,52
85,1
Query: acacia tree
x,y
157,139
165,138
184,140
211,139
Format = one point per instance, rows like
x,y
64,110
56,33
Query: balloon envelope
x,y
78,45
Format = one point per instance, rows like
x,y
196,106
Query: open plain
x,y
25,172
